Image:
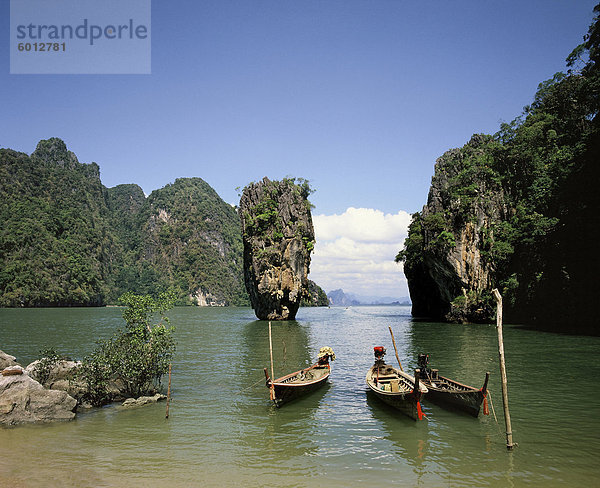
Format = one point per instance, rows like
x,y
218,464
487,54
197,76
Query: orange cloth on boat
x,y
486,410
420,412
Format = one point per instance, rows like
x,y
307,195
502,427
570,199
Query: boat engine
x,y
424,365
379,352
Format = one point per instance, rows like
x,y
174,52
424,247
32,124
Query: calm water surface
x,y
222,431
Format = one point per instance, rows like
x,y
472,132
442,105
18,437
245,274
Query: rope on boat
x,y
492,404
253,384
494,412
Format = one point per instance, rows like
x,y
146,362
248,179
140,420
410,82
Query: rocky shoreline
x,y
38,394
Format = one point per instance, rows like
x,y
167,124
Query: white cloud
x,y
363,225
356,250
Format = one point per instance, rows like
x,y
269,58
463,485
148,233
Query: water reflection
x,y
461,352
279,437
408,440
290,345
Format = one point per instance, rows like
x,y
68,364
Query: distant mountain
x,y
66,240
342,299
338,298
379,300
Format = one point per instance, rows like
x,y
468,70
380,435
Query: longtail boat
x,y
395,387
300,383
450,393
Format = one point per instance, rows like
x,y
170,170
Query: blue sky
x,y
359,97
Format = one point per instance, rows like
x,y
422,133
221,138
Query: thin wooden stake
x,y
509,439
168,392
272,373
395,348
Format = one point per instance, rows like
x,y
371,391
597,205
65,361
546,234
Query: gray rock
x,y
24,400
143,400
115,388
7,360
278,238
61,376
439,274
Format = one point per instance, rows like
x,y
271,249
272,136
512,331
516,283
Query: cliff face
x,y
192,237
278,238
515,211
315,297
450,273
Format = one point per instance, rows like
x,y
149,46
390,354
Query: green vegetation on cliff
x,y
315,296
264,221
55,240
517,211
194,237
66,240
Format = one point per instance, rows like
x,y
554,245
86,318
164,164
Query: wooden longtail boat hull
x,y
406,399
454,395
405,403
298,384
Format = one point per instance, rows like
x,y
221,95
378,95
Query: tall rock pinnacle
x,y
278,238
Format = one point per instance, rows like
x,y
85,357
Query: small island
x,y
278,239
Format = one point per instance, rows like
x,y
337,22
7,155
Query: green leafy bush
x,y
135,358
48,359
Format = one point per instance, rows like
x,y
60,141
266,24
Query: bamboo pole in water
x,y
509,439
271,354
168,392
395,348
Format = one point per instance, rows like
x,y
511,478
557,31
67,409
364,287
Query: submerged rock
x,y
143,400
278,237
24,400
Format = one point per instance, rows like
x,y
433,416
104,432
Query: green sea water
x,y
222,430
